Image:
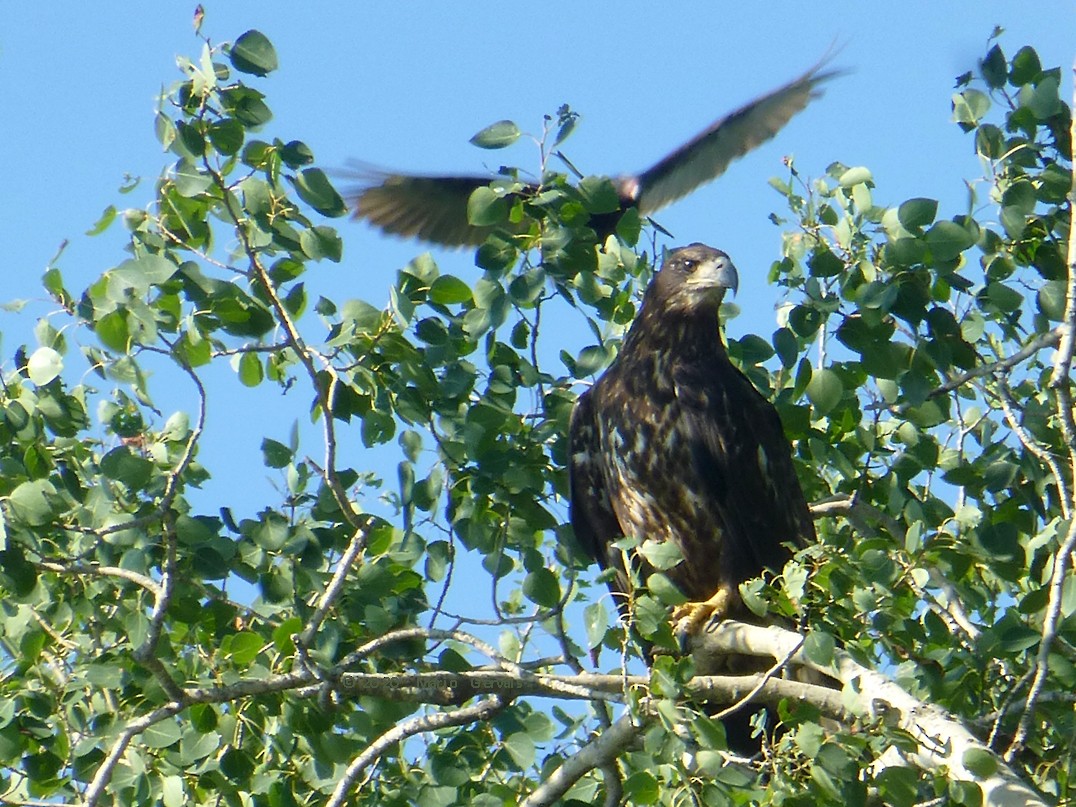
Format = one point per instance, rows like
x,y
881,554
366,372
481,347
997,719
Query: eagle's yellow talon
x,y
689,617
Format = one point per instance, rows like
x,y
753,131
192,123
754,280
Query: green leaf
x,y
172,793
113,332
253,53
486,208
898,785
969,107
121,465
237,765
994,68
823,263
322,242
662,555
855,176
521,749
162,734
244,647
980,762
497,135
1068,595
824,391
275,454
819,648
227,136
44,365
596,623
377,427
247,106
31,501
250,370
599,195
542,587
947,240
19,576
1026,66
786,346
283,634
665,590
449,290
915,214
315,189
190,180
102,224
642,788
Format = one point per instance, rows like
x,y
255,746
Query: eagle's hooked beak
x,y
716,274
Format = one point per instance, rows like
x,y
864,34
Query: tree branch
x,y
96,569
1045,340
483,710
599,752
943,739
1061,382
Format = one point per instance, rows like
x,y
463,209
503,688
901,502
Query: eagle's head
x,y
692,279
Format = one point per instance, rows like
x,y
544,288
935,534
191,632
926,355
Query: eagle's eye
x,y
690,265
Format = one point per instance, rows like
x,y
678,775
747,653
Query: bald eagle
x,y
674,444
434,207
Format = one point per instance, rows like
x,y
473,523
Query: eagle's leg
x,y
689,617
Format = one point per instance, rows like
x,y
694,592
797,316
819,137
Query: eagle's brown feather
x,y
673,443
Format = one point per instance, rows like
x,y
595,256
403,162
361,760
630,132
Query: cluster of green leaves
x,y
122,600
911,403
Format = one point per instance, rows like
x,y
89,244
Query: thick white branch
x,y
943,739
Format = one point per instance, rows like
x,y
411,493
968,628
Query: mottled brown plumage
x,y
434,207
673,443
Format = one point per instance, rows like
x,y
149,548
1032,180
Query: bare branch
x,y
336,585
1049,634
1048,339
1008,408
146,655
134,727
483,710
96,569
598,753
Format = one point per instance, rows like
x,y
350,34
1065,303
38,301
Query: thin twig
x,y
766,677
1008,408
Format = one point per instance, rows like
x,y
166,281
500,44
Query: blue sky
x,y
405,84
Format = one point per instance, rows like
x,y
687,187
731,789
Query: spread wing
x,y
742,457
706,156
432,208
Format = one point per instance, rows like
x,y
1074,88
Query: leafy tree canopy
x,y
154,652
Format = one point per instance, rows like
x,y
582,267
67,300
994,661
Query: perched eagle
x,y
673,443
434,208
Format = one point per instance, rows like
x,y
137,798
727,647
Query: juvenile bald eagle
x,y
434,207
673,443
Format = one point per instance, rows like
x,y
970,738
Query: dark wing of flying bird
x,y
434,208
707,155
